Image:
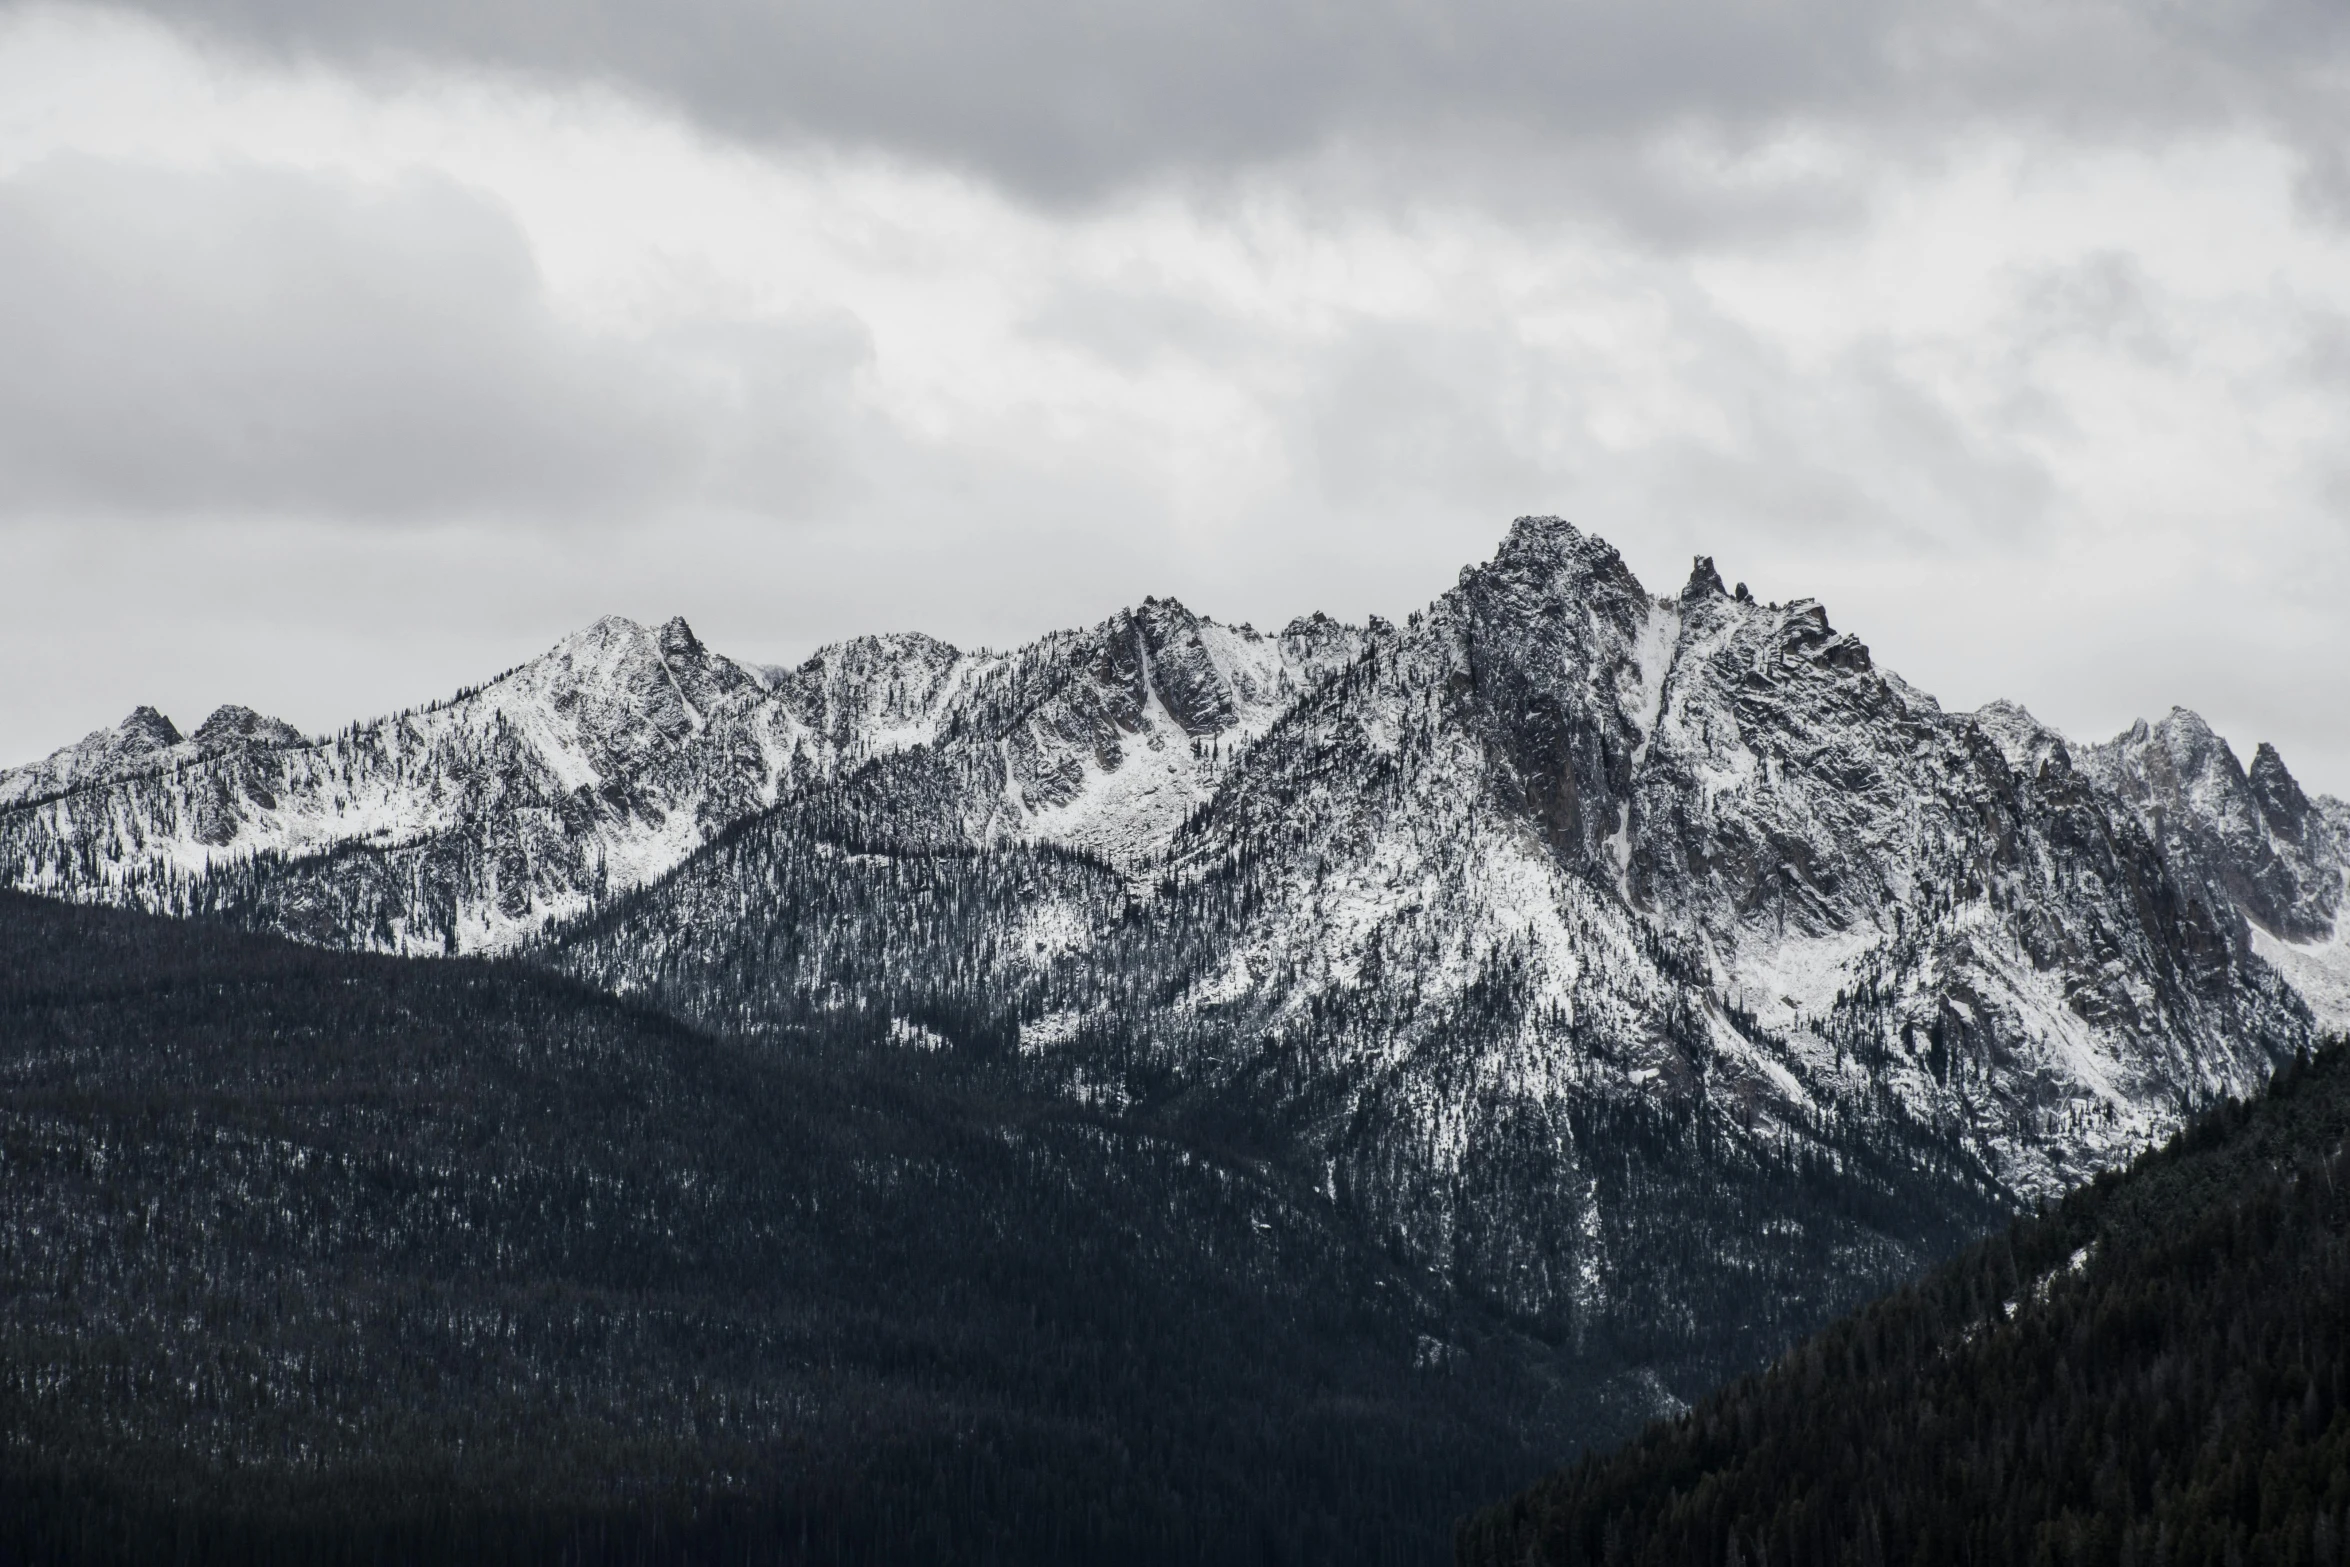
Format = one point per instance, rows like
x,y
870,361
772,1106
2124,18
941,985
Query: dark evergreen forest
x,y
2154,1372
1718,1243
313,1256
320,1257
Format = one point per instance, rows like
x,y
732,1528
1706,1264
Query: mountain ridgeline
x,y
1646,977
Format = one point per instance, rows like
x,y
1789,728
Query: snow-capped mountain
x,y
1642,962
143,742
473,824
2252,839
1637,961
1549,752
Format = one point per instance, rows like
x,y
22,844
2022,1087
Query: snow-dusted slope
x,y
144,742
604,762
1103,741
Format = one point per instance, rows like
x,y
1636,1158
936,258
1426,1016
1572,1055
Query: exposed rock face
x,y
2252,841
1103,741
1714,842
235,726
2254,838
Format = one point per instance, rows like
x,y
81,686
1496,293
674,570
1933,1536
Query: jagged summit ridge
x,y
143,742
1741,776
602,763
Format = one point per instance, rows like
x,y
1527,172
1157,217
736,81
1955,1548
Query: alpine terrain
x,y
1649,969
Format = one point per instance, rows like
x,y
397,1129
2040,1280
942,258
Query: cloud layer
x,y
262,340
1076,98
367,352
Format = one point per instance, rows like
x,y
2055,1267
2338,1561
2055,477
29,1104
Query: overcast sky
x,y
350,352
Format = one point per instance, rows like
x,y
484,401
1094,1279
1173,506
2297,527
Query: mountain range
x,y
1653,968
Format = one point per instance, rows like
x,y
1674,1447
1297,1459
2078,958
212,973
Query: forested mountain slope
x,y
2156,1369
311,1256
1662,1241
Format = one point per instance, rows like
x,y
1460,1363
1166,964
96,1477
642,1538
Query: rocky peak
x,y
1540,549
677,641
2215,828
2282,804
1317,647
97,756
878,692
2026,742
145,730
231,724
605,643
885,655
1162,612
707,680
1704,582
1547,573
612,685
1162,649
2178,767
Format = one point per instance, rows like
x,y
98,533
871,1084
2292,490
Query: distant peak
x,y
1549,540
608,628
1704,581
2182,731
678,639
1549,555
874,651
2179,743
1543,531
149,728
2022,739
231,724
2282,802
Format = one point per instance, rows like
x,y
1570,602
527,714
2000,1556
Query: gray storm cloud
x,y
255,339
1070,98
